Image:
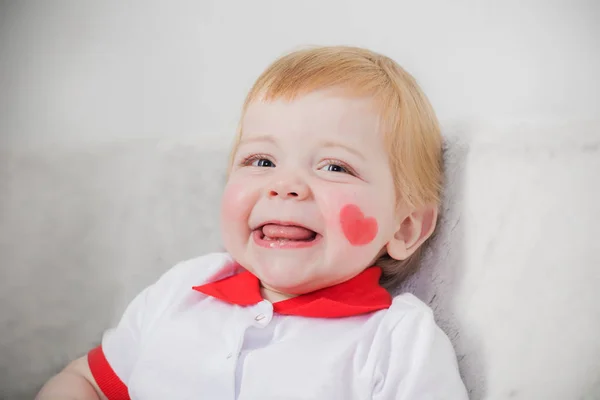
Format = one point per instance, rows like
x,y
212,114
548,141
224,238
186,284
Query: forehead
x,y
324,113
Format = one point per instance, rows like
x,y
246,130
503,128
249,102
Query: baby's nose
x,y
289,190
274,193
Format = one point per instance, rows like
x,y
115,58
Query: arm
x,y
93,377
113,362
75,382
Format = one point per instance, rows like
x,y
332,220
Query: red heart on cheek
x,y
359,230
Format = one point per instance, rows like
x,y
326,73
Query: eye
x,y
262,162
334,168
257,160
337,166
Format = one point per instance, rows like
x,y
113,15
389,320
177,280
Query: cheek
x,y
358,228
235,205
352,215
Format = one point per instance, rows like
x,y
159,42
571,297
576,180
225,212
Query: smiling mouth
x,y
282,235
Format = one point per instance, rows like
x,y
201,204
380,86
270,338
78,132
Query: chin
x,y
287,275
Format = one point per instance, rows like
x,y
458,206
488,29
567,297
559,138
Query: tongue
x,y
287,232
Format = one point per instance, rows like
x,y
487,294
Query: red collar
x,y
359,295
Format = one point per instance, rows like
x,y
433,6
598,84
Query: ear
x,y
414,229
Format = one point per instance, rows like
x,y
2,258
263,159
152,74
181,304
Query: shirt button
x,y
259,317
229,355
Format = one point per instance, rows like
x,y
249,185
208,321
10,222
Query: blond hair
x,y
410,127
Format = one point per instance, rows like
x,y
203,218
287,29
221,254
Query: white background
x,y
109,69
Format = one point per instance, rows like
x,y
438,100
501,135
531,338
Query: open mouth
x,y
279,235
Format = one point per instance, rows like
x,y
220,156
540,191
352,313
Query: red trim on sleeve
x,y
106,378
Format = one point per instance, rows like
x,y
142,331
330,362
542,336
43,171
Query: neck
x,y
273,295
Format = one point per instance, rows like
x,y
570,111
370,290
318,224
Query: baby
x,y
333,187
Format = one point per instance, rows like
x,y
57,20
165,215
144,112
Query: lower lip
x,y
283,244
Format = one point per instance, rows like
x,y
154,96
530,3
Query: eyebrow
x,y
261,138
329,144
323,144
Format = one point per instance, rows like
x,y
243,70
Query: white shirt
x,y
174,342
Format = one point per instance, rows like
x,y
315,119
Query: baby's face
x,y
310,200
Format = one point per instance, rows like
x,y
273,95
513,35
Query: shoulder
x,y
408,302
196,271
201,269
405,326
412,324
407,310
176,284
409,328
416,357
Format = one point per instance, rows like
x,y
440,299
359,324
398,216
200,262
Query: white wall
x,y
111,69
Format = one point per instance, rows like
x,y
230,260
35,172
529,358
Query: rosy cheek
x,y
233,204
358,229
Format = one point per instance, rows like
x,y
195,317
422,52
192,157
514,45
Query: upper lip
x,y
284,223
